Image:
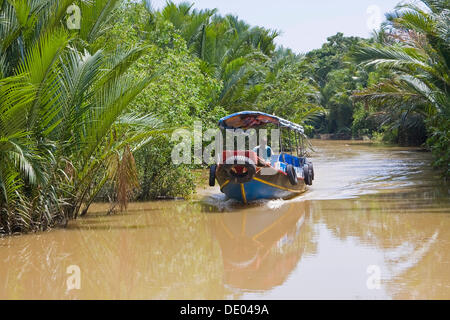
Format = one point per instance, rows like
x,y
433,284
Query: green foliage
x,y
439,142
183,94
213,65
159,177
286,92
412,87
336,79
77,106
242,59
63,113
364,123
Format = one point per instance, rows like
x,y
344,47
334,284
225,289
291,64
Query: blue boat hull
x,y
261,187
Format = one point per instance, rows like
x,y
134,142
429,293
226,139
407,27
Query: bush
x,y
158,176
439,143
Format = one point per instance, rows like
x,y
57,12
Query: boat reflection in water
x,y
260,248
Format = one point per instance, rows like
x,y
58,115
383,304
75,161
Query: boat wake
x,y
222,204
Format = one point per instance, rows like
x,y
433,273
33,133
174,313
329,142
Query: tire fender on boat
x,y
311,170
307,174
212,175
292,175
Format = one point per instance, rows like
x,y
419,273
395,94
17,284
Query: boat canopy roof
x,y
252,119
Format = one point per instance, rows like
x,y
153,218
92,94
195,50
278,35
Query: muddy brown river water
x,y
375,225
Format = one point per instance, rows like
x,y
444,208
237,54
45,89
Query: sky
x,y
304,24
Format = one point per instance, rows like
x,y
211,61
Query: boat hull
x,y
267,183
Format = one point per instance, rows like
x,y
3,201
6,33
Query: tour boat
x,y
245,176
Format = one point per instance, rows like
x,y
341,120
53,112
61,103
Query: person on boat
x,y
263,150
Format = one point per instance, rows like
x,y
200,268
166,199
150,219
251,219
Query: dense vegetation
x,y
86,114
410,87
64,126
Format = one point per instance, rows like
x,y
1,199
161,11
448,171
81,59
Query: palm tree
x,y
189,22
231,50
64,128
414,51
286,90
